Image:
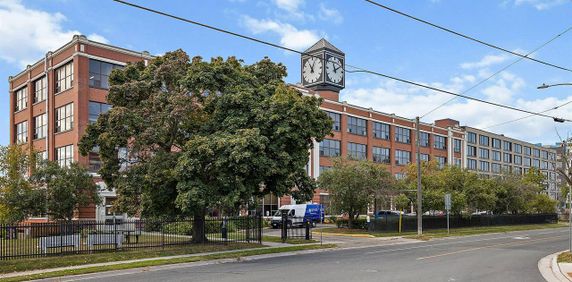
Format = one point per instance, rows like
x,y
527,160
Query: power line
x,y
525,117
357,69
466,36
499,71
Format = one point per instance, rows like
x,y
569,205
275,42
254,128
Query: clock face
x,y
312,70
335,70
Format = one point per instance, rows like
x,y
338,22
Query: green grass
x,y
466,231
171,261
565,257
295,241
71,260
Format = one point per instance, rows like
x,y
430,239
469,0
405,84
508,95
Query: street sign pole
x,y
419,196
448,208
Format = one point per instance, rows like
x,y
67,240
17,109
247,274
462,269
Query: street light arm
x,y
544,85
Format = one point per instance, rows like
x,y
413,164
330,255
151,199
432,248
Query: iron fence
x,y
295,228
80,237
409,223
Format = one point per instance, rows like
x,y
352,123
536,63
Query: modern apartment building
x,y
53,101
491,154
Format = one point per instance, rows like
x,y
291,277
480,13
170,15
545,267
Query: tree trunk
x,y
199,228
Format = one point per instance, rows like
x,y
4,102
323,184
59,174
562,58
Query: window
x,y
22,132
484,166
94,162
357,126
507,146
506,168
536,153
64,155
496,143
40,126
400,176
518,170
457,162
471,151
402,157
424,157
336,118
440,142
483,153
507,158
472,164
330,148
518,148
402,135
527,151
544,155
357,151
40,89
324,168
483,140
95,109
472,138
381,130
527,161
552,156
457,145
64,77
42,156
441,161
423,139
544,165
536,163
21,99
99,73
381,155
496,168
64,118
496,156
517,160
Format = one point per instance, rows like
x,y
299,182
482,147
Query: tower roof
x,y
323,44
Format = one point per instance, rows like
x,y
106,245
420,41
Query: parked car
x,y
298,215
387,213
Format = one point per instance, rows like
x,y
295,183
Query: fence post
x,y
260,229
307,230
284,225
162,235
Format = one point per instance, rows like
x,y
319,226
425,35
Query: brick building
x,y
53,101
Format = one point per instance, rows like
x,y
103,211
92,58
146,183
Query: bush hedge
x,y
360,223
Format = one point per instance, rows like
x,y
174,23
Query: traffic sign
x,y
448,202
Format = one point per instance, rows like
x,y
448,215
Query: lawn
x,y
162,262
466,231
565,257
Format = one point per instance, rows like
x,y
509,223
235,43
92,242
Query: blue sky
x,y
371,37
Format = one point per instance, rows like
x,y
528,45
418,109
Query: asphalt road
x,y
494,257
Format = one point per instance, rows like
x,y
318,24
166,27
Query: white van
x,y
298,215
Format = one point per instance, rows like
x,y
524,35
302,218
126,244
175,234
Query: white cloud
x,y
541,4
27,34
290,36
292,7
330,14
486,61
505,88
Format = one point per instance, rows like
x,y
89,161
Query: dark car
x,y
386,213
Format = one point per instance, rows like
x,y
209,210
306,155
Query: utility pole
x,y
419,196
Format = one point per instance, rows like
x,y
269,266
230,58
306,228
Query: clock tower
x,y
323,67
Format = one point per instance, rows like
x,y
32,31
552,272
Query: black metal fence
x,y
409,223
76,237
295,228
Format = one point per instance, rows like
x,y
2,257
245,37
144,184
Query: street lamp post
x,y
569,198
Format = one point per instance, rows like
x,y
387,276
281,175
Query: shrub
x,y
179,228
360,223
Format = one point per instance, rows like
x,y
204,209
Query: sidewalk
x,y
553,271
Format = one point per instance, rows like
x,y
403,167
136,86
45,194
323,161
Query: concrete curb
x,y
548,267
317,233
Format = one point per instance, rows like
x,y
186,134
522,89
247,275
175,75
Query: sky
x,y
371,38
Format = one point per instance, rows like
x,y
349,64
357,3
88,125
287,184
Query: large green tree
x,y
204,134
64,189
17,196
354,184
